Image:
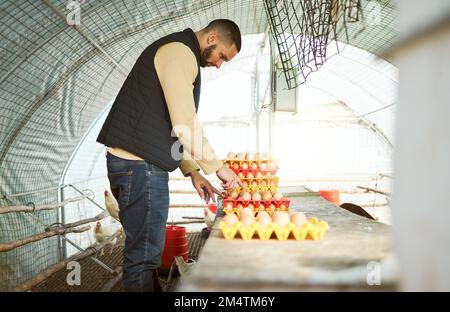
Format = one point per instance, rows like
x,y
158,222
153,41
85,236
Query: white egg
x,y
250,175
234,194
264,220
254,166
241,175
239,207
263,166
244,184
259,175
229,207
272,208
245,166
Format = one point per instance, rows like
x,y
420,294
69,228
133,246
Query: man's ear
x,y
213,37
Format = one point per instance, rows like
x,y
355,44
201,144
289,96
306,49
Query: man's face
x,y
217,53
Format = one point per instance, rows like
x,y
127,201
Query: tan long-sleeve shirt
x,y
176,67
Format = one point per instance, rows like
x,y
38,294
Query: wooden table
x,y
338,262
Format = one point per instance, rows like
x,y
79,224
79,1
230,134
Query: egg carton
x,y
312,230
259,188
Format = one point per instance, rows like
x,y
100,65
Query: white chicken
x,y
183,267
101,233
112,205
209,217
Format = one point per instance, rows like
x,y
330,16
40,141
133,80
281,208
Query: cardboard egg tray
x,y
271,185
312,230
255,203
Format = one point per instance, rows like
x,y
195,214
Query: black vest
x,y
139,121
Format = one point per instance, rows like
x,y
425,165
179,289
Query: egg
x,y
234,194
250,175
254,184
246,196
245,166
281,218
298,218
251,206
268,175
236,166
277,196
240,156
266,196
231,156
254,166
283,207
263,183
230,219
263,166
259,175
271,208
256,196
229,207
247,211
241,175
247,220
239,207
261,208
261,213
244,183
264,220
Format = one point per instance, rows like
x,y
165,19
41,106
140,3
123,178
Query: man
x,y
151,129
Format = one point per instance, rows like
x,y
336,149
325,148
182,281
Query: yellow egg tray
x,y
312,230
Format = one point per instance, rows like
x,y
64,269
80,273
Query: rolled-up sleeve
x,y
176,67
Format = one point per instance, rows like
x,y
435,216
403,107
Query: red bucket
x,y
176,245
213,207
331,195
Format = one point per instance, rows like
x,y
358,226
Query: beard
x,y
205,54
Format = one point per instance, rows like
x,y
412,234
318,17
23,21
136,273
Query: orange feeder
x,y
331,195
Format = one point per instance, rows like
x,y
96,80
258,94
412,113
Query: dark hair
x,y
229,31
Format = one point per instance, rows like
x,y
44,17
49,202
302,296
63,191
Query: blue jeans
x,y
142,191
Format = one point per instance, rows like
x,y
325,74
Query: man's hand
x,y
203,187
229,179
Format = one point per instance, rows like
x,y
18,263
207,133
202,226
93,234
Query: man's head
x,y
220,41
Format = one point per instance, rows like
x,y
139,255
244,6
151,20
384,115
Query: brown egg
x,y
231,156
271,208
266,196
230,219
256,196
234,194
247,220
264,220
246,196
254,184
298,218
244,184
247,211
281,218
277,196
229,207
